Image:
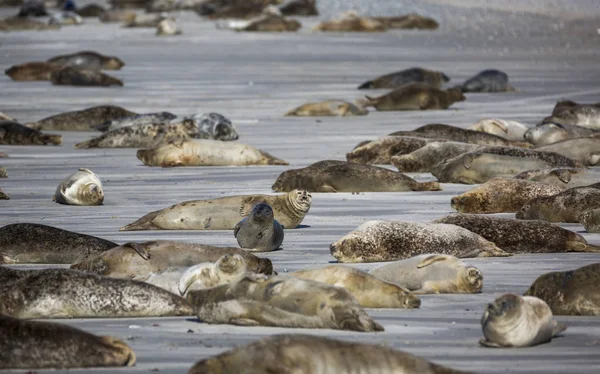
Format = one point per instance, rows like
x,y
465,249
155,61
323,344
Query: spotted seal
x,y
585,115
415,96
381,151
81,120
565,177
80,188
584,150
565,206
134,119
590,219
259,231
91,60
70,76
328,108
457,134
413,75
424,159
489,80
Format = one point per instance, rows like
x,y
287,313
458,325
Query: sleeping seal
x,y
328,108
259,231
424,159
32,71
415,96
408,21
81,120
74,77
490,80
565,206
550,133
380,151
565,177
80,188
413,75
585,115
13,133
511,130
351,22
134,119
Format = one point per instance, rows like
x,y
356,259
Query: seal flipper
x,y
575,246
432,259
144,223
244,322
140,249
487,343
236,229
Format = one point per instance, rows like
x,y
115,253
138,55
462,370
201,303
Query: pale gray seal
x,y
134,119
584,150
351,22
550,133
511,130
70,76
489,80
216,125
424,159
88,60
13,133
413,75
380,151
565,177
565,206
81,120
32,71
415,96
259,231
328,108
80,188
590,220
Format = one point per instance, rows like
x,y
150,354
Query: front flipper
x,y
140,249
244,322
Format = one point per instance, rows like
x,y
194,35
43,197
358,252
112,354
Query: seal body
x,y
490,80
21,23
511,130
409,21
328,108
34,243
550,133
413,75
431,273
259,231
299,8
32,71
585,115
351,22
216,9
563,176
90,11
590,220
416,96
40,345
89,60
269,23
369,291
13,133
116,16
80,188
518,321
65,18
382,150
144,20
70,76
396,240
565,206
3,195
341,176
584,150
283,301
3,172
424,159
457,134
81,120
167,27
134,119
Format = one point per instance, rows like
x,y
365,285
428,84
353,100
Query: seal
x,y
501,195
22,24
3,172
35,243
328,108
517,236
565,206
409,21
80,120
139,260
32,71
397,240
44,345
415,96
585,115
584,150
369,291
33,8
284,301
565,177
133,120
168,27
299,8
216,9
203,152
567,104
351,22
3,195
13,133
412,75
431,273
590,220
510,130
216,125
424,159
342,176
518,321
490,80
382,150
70,76
572,293
89,60
550,133
65,293
259,231
270,21
80,188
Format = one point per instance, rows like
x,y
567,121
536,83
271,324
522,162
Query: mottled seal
x,y
70,76
299,8
13,133
566,104
396,240
584,150
32,71
573,292
80,188
490,80
590,220
518,321
43,345
585,115
168,27
3,195
565,206
550,133
81,120
409,21
3,172
20,23
511,130
88,60
216,125
134,119
225,212
342,176
138,260
369,291
415,96
501,195
259,231
380,151
431,273
565,177
328,108
413,75
424,159
284,301
351,22
517,236
35,243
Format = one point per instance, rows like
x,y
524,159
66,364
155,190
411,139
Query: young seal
x,y
3,196
70,76
415,96
139,260
328,108
590,220
424,159
310,354
396,240
369,291
490,80
134,119
342,176
32,71
517,236
259,231
565,206
550,133
259,300
380,151
89,60
573,293
501,195
167,27
13,133
80,188
299,8
584,150
431,273
21,24
34,243
413,75
44,345
351,22
516,321
510,130
409,21
81,120
565,177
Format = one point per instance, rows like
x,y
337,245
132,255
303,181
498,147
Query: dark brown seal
x,y
409,21
70,76
81,120
412,75
415,96
13,133
88,60
32,71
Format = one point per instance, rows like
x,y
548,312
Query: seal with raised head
x,y
431,273
204,152
397,240
65,293
259,231
80,188
81,120
565,177
584,150
409,21
34,243
3,195
70,76
565,206
284,301
590,220
32,71
415,96
518,236
138,260
573,292
13,133
369,291
328,108
501,195
424,159
342,176
45,345
511,130
550,133
134,119
380,151
413,75
585,115
518,321
23,23
489,80
566,104
88,60
351,22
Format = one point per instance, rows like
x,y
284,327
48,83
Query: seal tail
x,y
92,143
272,160
366,86
426,186
291,113
144,223
577,246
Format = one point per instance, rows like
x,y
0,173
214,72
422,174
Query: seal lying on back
x,y
584,150
413,75
490,80
34,243
369,291
259,300
431,273
565,177
351,22
573,292
203,152
396,240
590,220
501,195
41,345
565,206
517,236
515,321
80,188
134,119
511,130
89,60
342,176
550,133
138,260
408,21
415,96
13,133
424,159
70,76
32,71
259,231
81,120
328,108
380,151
